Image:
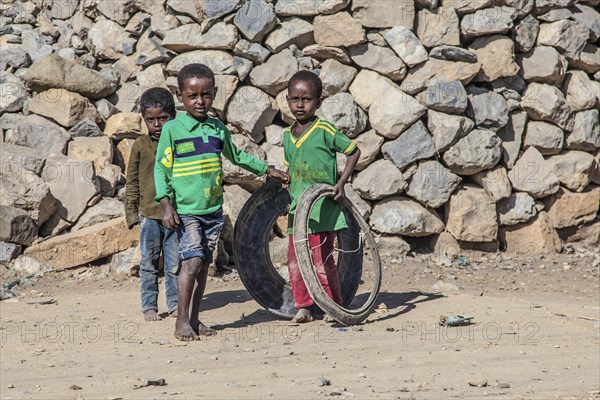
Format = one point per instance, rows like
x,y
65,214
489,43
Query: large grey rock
x,y
449,97
471,215
580,92
453,53
380,179
495,182
544,65
336,77
555,15
16,226
13,93
522,7
162,22
255,19
38,133
478,151
488,21
438,27
341,110
447,129
588,17
72,182
533,175
64,107
517,209
62,9
545,137
536,237
54,71
413,145
191,37
369,144
220,62
109,40
251,51
466,6
368,86
28,192
323,53
567,36
309,8
586,131
402,216
14,56
377,58
294,31
105,210
525,33
338,30
567,209
152,76
108,178
487,108
546,103
273,76
150,51
226,84
96,149
408,47
34,44
436,70
574,169
20,160
85,128
496,55
382,14
251,110
543,6
432,184
587,60
115,10
393,111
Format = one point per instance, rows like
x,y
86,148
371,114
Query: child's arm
x,y
248,162
132,188
338,190
163,171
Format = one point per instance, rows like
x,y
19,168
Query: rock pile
x,y
478,121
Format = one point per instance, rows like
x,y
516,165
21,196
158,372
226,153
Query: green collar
x,y
192,123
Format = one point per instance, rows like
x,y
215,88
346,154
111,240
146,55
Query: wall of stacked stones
x,y
477,119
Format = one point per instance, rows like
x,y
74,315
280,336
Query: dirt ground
x,y
535,335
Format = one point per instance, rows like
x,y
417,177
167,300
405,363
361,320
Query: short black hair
x,y
158,97
196,70
308,76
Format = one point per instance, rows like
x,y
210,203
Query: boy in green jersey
x,y
188,175
310,147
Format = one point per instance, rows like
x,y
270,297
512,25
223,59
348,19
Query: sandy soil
x,y
535,336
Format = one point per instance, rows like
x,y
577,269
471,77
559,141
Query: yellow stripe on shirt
x,y
204,161
327,129
350,148
193,167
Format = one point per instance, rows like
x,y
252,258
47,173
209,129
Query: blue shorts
x,y
199,234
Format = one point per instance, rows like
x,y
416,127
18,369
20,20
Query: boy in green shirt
x,y
157,107
189,176
310,147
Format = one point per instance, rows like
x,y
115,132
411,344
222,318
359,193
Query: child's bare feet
x,y
328,318
151,315
202,329
303,315
184,331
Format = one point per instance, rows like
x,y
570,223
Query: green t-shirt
x,y
311,159
188,166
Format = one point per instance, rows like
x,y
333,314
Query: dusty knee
x,y
191,266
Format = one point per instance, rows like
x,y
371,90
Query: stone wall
x,y
477,120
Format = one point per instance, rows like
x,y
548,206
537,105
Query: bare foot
x,y
303,315
151,315
173,314
328,318
202,329
184,331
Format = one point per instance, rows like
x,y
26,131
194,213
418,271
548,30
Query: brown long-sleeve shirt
x,y
140,190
